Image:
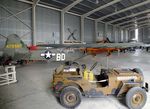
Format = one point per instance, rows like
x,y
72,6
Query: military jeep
x,y
71,81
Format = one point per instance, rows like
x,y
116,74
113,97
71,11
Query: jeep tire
x,y
70,97
136,98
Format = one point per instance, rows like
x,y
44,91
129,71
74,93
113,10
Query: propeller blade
x,y
69,30
74,37
69,37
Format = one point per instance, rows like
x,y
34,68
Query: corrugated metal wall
x,y
119,35
48,25
131,34
110,32
101,31
89,31
73,24
116,34
140,34
125,35
12,25
146,35
143,34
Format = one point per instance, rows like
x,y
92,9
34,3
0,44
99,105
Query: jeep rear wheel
x,y
136,98
70,97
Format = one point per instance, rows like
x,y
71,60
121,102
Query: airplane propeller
x,y
71,34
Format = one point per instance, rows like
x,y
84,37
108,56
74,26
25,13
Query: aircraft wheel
x,y
70,97
136,98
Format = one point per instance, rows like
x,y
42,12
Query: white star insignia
x,y
48,55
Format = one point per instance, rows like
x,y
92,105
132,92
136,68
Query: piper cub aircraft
x,y
16,50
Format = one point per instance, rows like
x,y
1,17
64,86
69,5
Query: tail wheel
x,y
136,98
70,97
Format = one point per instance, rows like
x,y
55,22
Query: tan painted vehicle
x,y
72,81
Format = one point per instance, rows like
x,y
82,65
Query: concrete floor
x,y
32,90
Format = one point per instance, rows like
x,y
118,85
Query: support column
x,y
127,35
82,29
106,29
119,35
33,25
96,30
114,34
124,35
142,39
62,27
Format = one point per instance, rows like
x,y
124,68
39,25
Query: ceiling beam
x,y
35,2
140,26
132,15
52,8
143,25
146,21
101,7
134,19
125,9
71,5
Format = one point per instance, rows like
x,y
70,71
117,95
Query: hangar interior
x,y
52,22
48,21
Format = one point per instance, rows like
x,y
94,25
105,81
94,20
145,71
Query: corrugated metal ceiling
x,y
89,5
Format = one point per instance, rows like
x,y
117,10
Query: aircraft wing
x,y
100,45
146,45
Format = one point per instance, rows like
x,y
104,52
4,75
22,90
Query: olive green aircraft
x,y
16,50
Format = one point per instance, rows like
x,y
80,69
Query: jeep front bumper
x,y
146,87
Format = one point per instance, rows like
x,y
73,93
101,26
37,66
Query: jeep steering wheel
x,y
69,63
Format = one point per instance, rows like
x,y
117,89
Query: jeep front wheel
x,y
70,97
136,98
